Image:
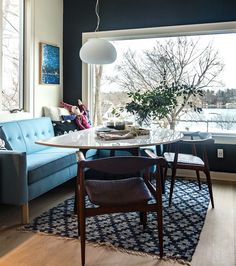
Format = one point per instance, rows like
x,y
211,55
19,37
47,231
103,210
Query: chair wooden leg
x,y
159,211
25,213
82,238
75,207
143,219
209,184
81,222
160,218
78,216
163,175
172,185
160,230
76,204
76,197
198,179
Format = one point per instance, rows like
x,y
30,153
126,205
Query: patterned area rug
x,y
183,223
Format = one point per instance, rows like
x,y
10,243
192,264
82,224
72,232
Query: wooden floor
x,y
217,245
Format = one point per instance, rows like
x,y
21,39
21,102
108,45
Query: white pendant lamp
x,y
98,51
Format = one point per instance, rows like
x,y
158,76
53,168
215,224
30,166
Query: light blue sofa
x,y
29,169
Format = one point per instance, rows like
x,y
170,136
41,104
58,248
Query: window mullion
x,y
21,56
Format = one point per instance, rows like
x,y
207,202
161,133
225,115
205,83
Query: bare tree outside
x,y
11,54
180,61
224,121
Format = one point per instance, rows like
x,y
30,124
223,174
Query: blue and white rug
x,y
183,223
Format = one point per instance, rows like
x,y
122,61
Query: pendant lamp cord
x,y
97,14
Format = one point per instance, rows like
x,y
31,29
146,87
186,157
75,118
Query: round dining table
x,y
87,139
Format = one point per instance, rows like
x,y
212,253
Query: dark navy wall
x,y
79,16
228,163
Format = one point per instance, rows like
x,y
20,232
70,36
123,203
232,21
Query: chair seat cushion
x,y
46,162
184,158
117,192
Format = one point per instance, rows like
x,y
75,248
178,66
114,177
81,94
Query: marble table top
x,y
87,139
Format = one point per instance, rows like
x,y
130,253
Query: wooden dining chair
x,y
194,161
129,194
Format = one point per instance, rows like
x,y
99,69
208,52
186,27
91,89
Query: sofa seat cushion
x,y
46,162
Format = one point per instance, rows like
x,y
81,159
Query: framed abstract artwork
x,y
49,64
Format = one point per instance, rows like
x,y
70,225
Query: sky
x,y
224,43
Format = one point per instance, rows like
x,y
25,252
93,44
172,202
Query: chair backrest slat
x,y
120,165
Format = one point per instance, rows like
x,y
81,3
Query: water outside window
x,y
203,65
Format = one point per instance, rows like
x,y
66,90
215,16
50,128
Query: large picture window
x,y
12,14
202,65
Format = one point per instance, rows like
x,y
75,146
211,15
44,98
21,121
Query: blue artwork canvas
x,y
50,64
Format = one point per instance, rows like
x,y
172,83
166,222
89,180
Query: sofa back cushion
x,y
35,129
12,135
21,135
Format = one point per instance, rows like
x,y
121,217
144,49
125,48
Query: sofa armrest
x,y
13,178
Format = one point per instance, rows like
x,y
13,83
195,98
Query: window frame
x,y
146,33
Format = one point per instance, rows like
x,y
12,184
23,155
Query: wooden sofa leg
x,y
25,213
